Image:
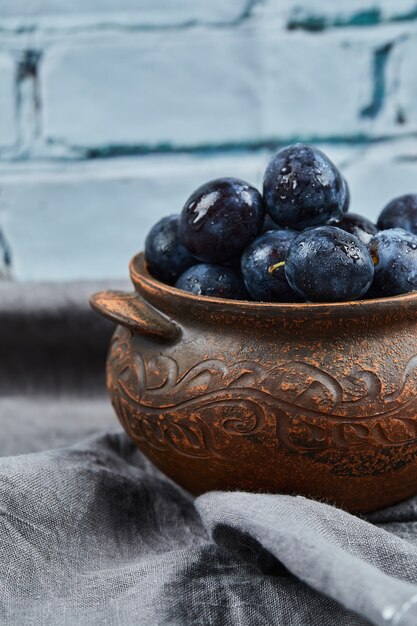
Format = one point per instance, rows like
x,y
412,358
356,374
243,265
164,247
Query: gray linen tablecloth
x,y
92,533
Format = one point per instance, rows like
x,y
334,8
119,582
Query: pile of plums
x,y
297,242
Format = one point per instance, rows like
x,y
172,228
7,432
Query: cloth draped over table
x,y
92,533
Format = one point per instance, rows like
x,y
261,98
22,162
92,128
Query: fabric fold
x,y
94,533
362,566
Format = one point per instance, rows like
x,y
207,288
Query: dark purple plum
x,y
165,255
263,282
327,264
220,219
400,213
303,188
217,281
269,224
358,225
395,256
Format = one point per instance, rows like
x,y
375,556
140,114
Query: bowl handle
x,y
130,310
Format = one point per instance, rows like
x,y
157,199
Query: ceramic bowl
x,y
311,399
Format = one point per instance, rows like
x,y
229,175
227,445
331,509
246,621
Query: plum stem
x,y
374,257
275,267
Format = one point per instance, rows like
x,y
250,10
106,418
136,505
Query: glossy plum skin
x,y
327,264
346,204
395,256
303,188
269,224
400,213
217,281
220,219
267,250
166,256
358,225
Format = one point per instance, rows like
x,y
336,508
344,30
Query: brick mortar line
x,y
311,23
107,26
314,21
44,38
104,153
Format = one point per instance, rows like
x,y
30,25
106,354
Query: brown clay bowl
x,y
311,399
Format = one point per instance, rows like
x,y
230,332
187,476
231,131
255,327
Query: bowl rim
x,y
146,284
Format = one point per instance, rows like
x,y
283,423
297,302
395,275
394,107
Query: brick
x,y
145,13
87,220
401,104
316,86
380,173
205,88
8,130
167,88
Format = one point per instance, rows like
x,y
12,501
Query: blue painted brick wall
x,y
111,113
